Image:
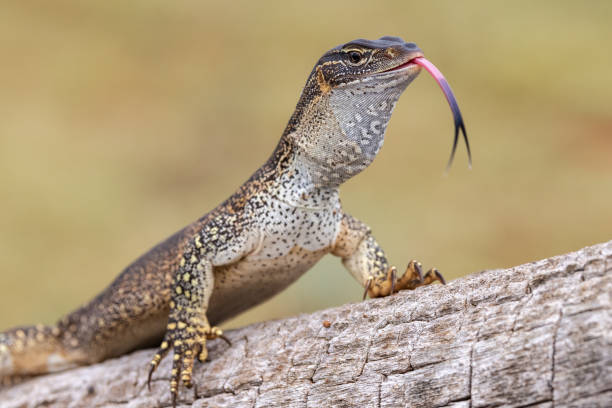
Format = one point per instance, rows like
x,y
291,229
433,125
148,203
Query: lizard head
x,y
362,60
340,120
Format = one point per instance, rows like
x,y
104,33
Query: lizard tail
x,y
33,350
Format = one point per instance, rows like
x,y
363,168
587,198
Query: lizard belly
x,y
244,284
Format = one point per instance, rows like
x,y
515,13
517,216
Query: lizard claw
x,y
433,275
412,277
161,353
367,287
393,277
225,339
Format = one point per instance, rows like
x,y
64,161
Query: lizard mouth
x,y
409,63
450,97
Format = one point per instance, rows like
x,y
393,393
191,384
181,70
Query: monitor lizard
x,y
274,228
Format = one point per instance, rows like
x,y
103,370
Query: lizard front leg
x,y
367,262
188,328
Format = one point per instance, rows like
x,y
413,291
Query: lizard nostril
x,y
411,46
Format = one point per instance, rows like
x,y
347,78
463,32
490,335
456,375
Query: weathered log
x,y
537,335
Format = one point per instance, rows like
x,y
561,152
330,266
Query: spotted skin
x,y
274,228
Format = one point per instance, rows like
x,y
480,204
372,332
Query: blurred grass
x,y
123,121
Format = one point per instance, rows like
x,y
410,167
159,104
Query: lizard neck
x,y
290,179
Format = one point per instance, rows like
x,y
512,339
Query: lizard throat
x,y
346,129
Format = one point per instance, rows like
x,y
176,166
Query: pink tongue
x,y
459,126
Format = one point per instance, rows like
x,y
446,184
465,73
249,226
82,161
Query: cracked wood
x,y
537,335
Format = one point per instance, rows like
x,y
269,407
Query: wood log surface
x,y
535,335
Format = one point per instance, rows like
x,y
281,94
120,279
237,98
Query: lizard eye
x,y
355,57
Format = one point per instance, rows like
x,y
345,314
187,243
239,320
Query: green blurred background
x,y
120,122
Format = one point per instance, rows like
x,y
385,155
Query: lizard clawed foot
x,y
413,277
188,342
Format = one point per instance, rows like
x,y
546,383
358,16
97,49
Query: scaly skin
x,y
273,229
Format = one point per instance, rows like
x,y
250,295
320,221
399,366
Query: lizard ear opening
x,y
322,82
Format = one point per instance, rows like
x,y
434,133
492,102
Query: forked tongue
x,y
459,126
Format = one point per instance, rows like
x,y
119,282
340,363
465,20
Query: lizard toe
x,y
412,277
433,275
161,353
